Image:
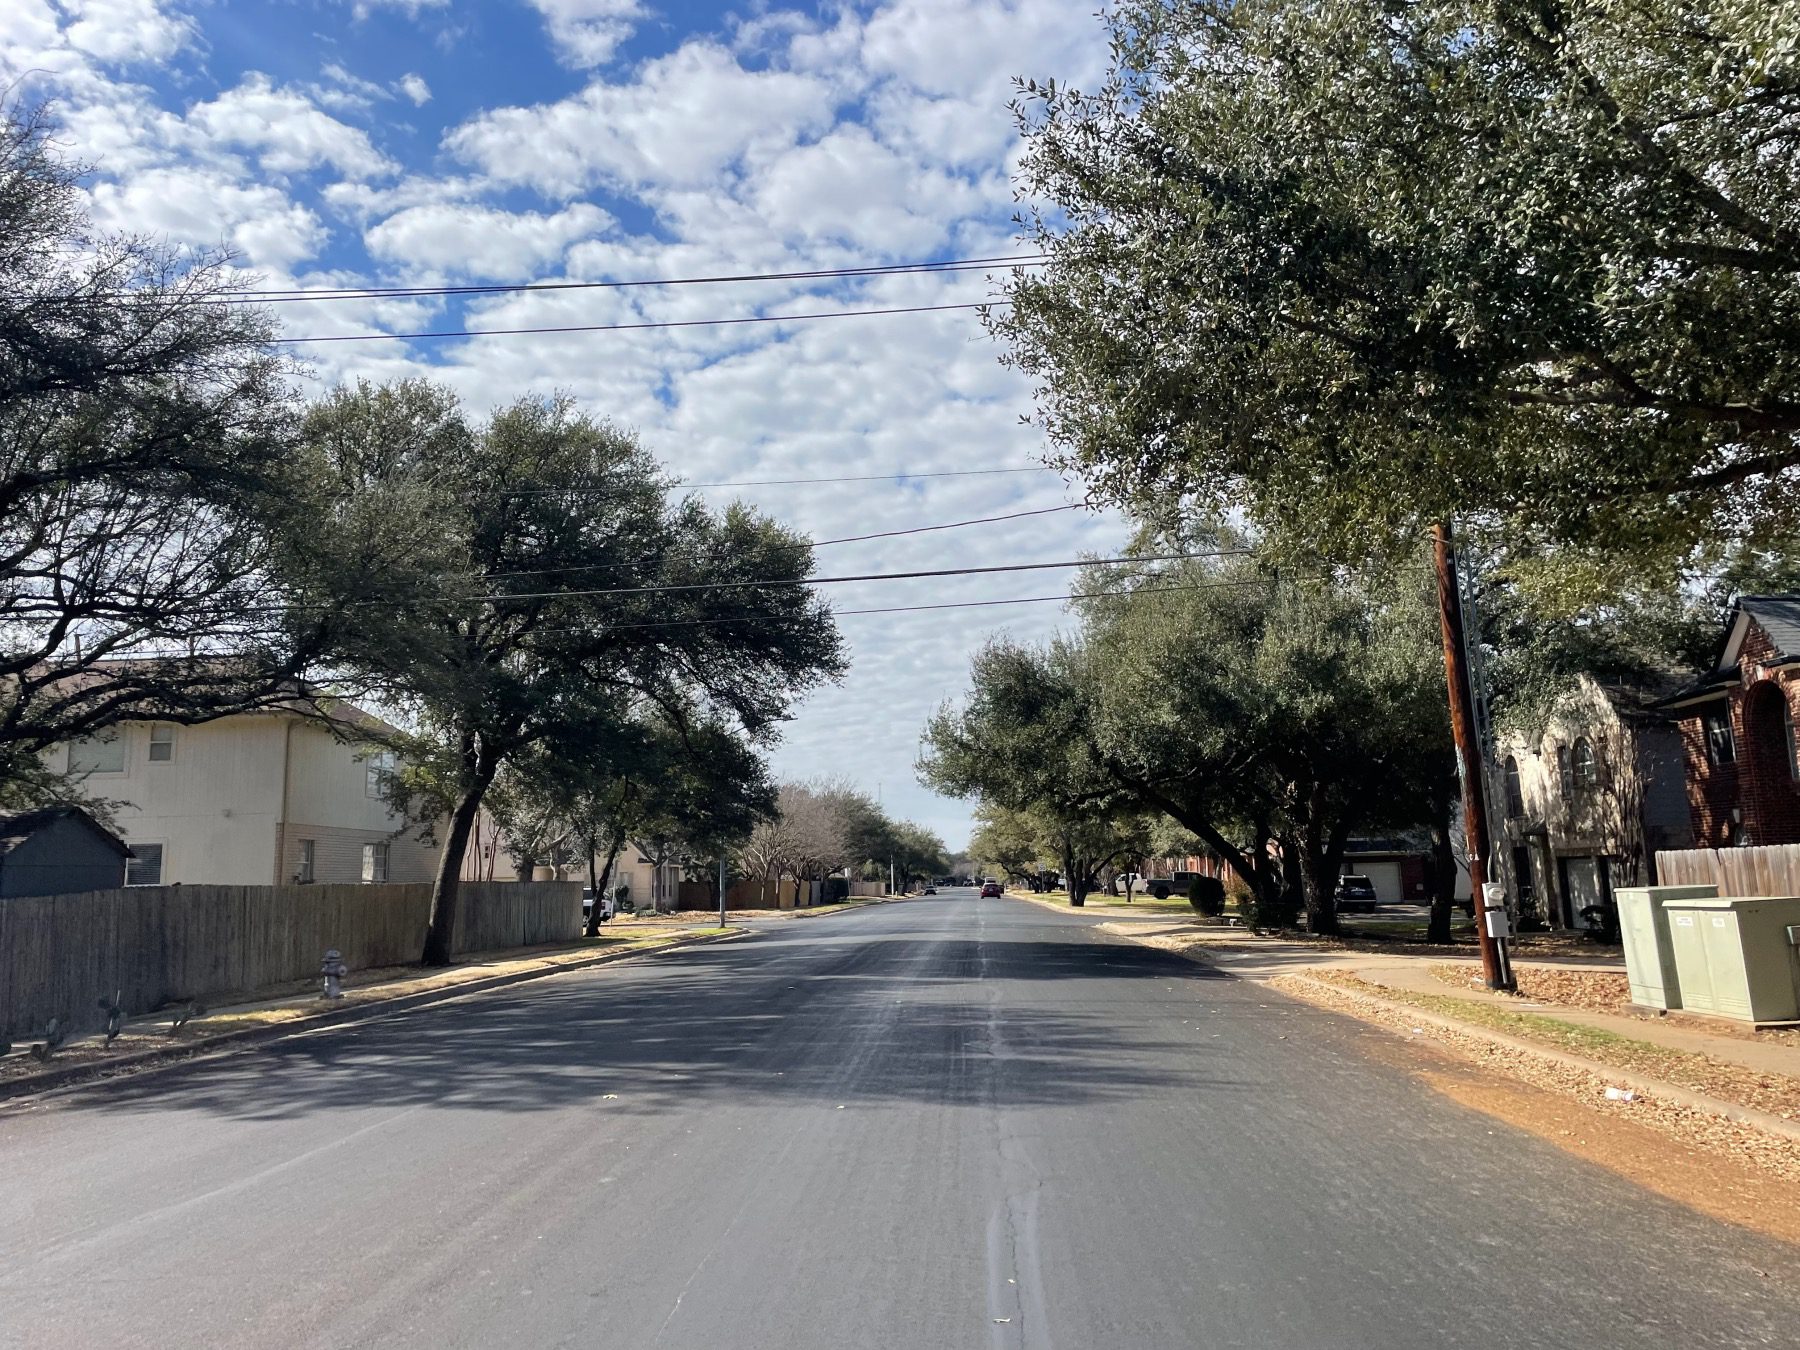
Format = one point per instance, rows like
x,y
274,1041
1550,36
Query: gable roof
x,y
1779,618
17,828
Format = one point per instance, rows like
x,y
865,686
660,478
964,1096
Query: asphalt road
x,y
947,1123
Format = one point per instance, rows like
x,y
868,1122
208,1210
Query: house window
x,y
1515,796
376,772
145,865
1787,727
303,874
162,743
1587,767
103,752
1565,772
375,862
1720,748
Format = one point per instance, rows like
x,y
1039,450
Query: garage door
x,y
1385,877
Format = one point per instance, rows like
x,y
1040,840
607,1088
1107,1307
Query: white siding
x,y
216,804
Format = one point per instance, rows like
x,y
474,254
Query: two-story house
x,y
1737,724
255,799
1587,802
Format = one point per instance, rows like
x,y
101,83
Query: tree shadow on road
x,y
856,1021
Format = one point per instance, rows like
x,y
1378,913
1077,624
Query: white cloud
x,y
415,88
972,49
587,32
684,119
478,241
123,31
200,208
849,186
286,130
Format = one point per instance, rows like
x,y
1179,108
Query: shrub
x,y
1207,896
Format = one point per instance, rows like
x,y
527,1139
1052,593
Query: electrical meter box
x,y
1644,929
1734,956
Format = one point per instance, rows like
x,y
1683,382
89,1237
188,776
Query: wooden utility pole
x,y
1468,751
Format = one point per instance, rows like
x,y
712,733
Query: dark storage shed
x,y
56,850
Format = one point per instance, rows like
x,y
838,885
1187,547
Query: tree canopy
x,y
1271,716
1354,268
526,580
145,442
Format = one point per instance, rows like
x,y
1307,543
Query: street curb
x,y
1656,1087
34,1085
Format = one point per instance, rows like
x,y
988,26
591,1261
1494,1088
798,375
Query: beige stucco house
x,y
1585,804
255,799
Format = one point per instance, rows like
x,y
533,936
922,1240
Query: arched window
x,y
1515,796
1587,767
1565,772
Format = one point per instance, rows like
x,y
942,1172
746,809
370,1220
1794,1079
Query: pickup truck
x,y
1163,887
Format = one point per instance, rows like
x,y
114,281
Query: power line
x,y
974,604
297,294
754,584
949,525
633,327
665,589
817,543
901,476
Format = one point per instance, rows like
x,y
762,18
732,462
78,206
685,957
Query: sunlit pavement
x,y
945,1123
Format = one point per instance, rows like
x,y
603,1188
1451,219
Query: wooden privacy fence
x,y
154,944
1773,869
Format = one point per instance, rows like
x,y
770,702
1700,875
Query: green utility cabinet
x,y
1736,956
1644,928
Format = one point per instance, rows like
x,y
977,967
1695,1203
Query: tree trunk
x,y
440,933
614,844
1074,876
1443,877
1319,870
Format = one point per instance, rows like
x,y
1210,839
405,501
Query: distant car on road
x,y
990,890
930,890
1356,892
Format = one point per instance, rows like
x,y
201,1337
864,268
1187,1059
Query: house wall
x,y
60,858
1637,805
328,803
213,807
1760,784
216,806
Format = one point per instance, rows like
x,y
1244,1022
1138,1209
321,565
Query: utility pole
x,y
721,892
1494,967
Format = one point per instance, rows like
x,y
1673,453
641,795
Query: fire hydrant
x,y
333,969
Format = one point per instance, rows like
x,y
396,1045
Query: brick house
x,y
1737,730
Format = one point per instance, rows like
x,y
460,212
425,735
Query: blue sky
x,y
359,142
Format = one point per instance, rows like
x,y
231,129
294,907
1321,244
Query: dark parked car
x,y
1356,892
990,890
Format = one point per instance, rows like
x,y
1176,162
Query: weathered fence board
x,y
60,953
1771,869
